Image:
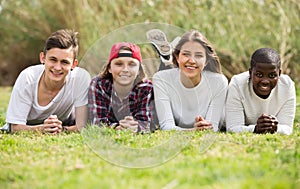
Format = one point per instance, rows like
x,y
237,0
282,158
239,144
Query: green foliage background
x,y
235,27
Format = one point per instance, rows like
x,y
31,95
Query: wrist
x,y
114,125
40,128
255,129
64,129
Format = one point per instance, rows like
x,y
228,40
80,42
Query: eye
x,y
52,59
186,54
132,64
259,75
272,75
118,63
65,62
198,56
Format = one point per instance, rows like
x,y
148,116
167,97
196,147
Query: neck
x,y
122,91
52,85
189,82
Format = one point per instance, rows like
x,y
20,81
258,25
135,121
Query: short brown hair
x,y
62,39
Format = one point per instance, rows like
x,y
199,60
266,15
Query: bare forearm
x,y
20,127
81,114
72,128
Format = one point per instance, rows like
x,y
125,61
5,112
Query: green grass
x,y
232,161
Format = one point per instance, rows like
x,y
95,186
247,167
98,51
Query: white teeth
x,y
190,67
264,87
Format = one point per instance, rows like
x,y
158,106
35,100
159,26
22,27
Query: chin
x,y
126,83
191,75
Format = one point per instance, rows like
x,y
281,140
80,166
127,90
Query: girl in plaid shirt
x,y
120,97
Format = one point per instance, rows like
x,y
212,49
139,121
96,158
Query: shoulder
x,y
240,79
31,73
285,84
146,84
166,73
101,83
79,78
285,80
96,79
80,73
32,70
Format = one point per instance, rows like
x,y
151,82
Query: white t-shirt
x,y
23,106
178,106
243,106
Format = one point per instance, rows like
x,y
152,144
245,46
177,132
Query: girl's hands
x,y
128,123
201,124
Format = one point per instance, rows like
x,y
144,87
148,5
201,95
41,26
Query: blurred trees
x,y
235,27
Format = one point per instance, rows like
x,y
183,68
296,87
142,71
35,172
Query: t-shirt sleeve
x,y
286,114
235,118
99,102
143,110
81,87
21,101
215,112
163,104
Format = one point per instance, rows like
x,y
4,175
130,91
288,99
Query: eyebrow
x,y
198,52
62,60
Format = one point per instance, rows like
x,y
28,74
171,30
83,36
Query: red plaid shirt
x,y
107,108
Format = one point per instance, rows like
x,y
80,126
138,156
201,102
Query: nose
x,y
57,66
265,80
192,59
125,69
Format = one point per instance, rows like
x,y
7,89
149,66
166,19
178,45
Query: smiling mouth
x,y
56,74
264,88
191,67
124,76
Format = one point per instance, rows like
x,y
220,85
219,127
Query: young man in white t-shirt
x,y
51,97
261,100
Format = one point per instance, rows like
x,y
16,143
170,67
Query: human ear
x,y
42,57
75,63
176,57
250,73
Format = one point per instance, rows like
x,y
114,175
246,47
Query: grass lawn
x,y
31,160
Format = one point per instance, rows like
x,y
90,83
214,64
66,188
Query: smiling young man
x,y
120,97
261,100
51,97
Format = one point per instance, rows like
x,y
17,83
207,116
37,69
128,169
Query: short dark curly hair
x,y
265,55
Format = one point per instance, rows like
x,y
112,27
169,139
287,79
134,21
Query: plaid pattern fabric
x,y
105,107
